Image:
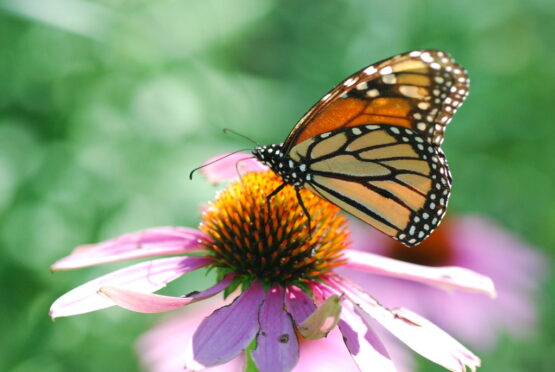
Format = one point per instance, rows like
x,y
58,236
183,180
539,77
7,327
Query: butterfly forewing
x,y
419,90
388,176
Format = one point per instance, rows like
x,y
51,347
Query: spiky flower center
x,y
271,240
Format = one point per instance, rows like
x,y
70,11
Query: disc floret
x,y
270,240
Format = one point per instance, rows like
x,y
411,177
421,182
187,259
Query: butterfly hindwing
x,y
388,176
419,90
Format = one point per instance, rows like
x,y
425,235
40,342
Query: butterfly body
x,y
292,172
371,145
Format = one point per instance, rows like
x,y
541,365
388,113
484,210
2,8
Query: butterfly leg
x,y
301,203
305,211
272,194
275,192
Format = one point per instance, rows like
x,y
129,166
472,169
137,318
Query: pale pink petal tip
x,y
431,342
228,331
277,347
160,241
152,303
444,277
365,347
144,277
228,166
416,332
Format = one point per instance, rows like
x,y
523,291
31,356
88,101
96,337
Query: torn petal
x,y
228,166
443,277
426,339
321,321
362,342
227,331
158,241
144,277
416,332
277,347
152,303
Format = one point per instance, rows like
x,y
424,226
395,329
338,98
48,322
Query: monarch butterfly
x,y
371,145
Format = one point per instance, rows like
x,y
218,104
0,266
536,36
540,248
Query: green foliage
x,y
105,106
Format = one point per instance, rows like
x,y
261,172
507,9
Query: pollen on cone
x,y
271,240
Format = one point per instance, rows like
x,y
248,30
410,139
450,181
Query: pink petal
x,y
444,277
161,349
229,166
327,354
322,320
416,332
145,277
298,304
153,303
364,345
158,241
227,331
479,244
277,347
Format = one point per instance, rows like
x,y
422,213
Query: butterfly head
x,y
292,172
271,155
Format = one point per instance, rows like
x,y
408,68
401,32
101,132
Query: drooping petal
x,y
227,331
364,345
277,347
160,241
321,321
229,166
298,304
444,277
477,243
144,277
152,303
416,332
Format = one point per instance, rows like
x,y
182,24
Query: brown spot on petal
x,y
406,320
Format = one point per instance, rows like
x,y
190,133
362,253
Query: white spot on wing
x,y
362,86
370,70
386,70
389,79
373,93
350,81
426,57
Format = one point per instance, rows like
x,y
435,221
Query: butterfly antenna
x,y
226,130
214,161
237,166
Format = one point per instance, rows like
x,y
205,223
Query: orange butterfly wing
x,y
420,90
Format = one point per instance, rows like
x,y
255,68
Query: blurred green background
x,y
105,106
